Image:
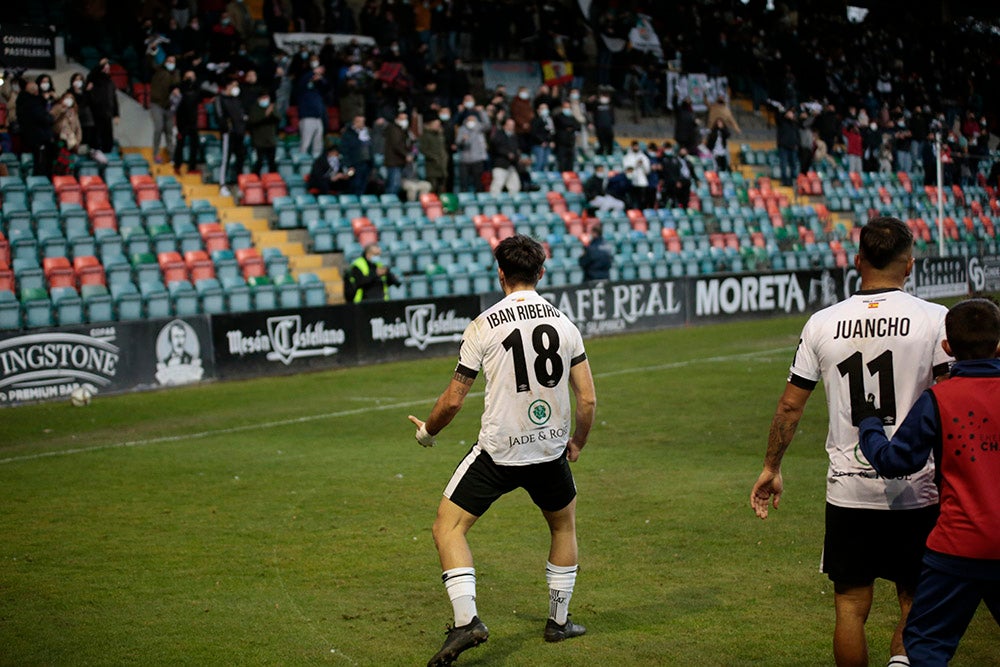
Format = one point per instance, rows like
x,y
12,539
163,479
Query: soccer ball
x,y
80,397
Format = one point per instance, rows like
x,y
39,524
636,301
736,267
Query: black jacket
x,y
504,150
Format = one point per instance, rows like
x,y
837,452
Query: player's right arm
x,y
769,485
581,381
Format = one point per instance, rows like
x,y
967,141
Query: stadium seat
x,y
199,265
97,302
225,264
275,262
251,263
211,296
67,304
36,307
238,296
172,266
58,272
313,289
145,268
10,311
183,297
289,293
264,295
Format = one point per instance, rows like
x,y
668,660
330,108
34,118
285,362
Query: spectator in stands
x,y
448,129
855,148
194,40
719,110
542,137
369,279
165,80
262,121
718,143
567,127
871,143
329,173
579,109
398,152
807,144
604,123
223,40
104,105
686,126
435,151
636,164
471,142
596,191
356,142
597,258
250,90
522,113
787,128
77,86
46,89
67,131
242,21
277,15
506,155
36,128
822,157
678,175
311,89
187,123
233,127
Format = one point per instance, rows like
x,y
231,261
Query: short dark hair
x,y
884,240
521,259
973,329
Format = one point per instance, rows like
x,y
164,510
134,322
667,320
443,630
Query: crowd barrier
x,y
48,364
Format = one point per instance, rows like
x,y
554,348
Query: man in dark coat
x,y
187,123
36,128
233,126
567,127
104,105
262,122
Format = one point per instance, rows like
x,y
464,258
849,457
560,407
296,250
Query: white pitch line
x,y
357,411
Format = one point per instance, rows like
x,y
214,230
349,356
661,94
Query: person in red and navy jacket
x,y
958,421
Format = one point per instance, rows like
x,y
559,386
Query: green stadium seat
x,y
37,307
264,295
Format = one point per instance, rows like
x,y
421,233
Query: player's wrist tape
x,y
424,438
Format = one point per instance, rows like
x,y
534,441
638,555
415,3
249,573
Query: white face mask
x,y
264,103
574,96
403,123
78,85
471,124
444,117
544,113
523,94
468,104
605,100
45,85
314,64
236,91
68,102
170,66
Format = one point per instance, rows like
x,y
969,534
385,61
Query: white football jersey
x,y
881,347
525,347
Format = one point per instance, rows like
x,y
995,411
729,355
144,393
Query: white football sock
x,y
898,661
561,580
460,582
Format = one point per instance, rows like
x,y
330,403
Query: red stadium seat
x,y
172,266
199,265
58,272
89,270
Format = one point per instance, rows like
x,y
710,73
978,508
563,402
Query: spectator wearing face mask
x,y
164,81
46,89
233,125
67,131
223,40
567,127
262,121
471,141
187,123
522,113
604,124
242,21
78,88
310,92
356,144
36,128
542,138
398,152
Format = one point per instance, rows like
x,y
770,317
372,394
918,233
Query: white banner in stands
x,y
290,41
701,88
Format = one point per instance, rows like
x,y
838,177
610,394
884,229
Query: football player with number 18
x,y
880,346
532,356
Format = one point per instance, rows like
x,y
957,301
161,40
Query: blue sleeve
x,y
911,445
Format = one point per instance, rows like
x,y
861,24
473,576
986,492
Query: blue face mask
x,y
264,103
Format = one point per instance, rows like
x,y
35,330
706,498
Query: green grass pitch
x,y
287,522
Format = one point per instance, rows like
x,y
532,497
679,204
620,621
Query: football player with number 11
x,y
880,346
